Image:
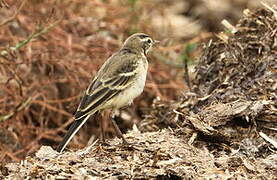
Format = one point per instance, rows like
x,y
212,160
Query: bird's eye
x,y
149,41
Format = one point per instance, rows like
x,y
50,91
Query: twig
x,y
3,3
69,99
22,105
268,139
87,149
270,8
186,73
166,61
32,36
42,103
15,14
229,26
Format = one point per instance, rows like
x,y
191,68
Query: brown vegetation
x,y
49,56
220,121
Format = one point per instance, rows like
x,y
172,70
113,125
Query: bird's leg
x,y
117,130
102,131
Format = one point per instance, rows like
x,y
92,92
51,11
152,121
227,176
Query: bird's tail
x,y
75,126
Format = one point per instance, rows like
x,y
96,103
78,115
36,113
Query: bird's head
x,y
139,42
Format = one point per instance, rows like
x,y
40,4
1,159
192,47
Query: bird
x,y
117,83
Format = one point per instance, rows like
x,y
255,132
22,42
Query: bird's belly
x,y
126,97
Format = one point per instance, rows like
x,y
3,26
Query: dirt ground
x,y
209,106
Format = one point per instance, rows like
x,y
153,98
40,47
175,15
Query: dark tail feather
x,y
77,124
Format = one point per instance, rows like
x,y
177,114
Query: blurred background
x,y
50,50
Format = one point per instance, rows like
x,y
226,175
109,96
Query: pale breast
x,y
134,90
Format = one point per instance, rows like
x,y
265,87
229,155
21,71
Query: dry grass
x,y
49,55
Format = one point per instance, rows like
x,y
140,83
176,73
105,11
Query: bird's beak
x,y
156,42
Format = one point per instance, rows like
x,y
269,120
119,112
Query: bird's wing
x,y
104,88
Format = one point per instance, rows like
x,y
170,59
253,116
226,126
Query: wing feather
x,y
81,113
102,94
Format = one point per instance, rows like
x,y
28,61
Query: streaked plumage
x,y
120,79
